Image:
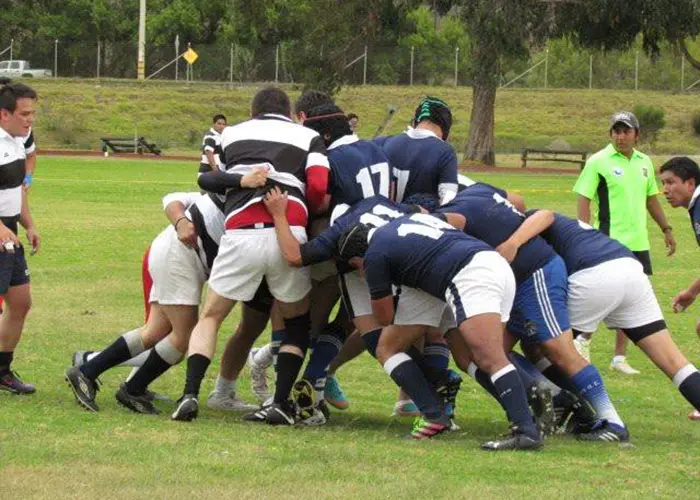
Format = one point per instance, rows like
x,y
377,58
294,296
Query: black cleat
x,y
606,432
572,414
84,389
517,440
274,414
187,408
12,383
539,398
80,357
137,404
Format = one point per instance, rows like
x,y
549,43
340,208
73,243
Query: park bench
x,y
553,155
129,145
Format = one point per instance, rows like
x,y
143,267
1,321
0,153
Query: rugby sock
x,y
6,361
288,367
511,394
327,348
275,342
162,357
434,374
224,385
687,379
407,375
483,379
136,361
529,374
263,357
590,386
197,365
371,340
556,376
436,355
124,348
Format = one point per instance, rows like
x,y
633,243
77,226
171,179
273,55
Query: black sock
x,y
559,378
690,388
409,377
5,361
483,379
153,367
371,339
197,365
511,394
288,368
113,355
434,375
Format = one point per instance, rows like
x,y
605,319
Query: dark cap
x,y
626,118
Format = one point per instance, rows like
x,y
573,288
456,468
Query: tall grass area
x,y
74,114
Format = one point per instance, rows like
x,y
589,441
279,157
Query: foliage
x,y
695,123
651,120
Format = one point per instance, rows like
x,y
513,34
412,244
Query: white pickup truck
x,y
21,69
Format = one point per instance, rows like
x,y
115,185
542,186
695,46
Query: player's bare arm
x,y
276,204
517,200
684,299
583,209
531,227
657,213
185,229
383,310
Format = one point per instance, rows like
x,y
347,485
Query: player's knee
x,y
296,338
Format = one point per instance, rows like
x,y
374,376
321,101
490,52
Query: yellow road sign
x,y
190,56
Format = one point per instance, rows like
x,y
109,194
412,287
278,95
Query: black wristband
x,y
178,221
667,228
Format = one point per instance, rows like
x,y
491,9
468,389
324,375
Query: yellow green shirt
x,y
620,188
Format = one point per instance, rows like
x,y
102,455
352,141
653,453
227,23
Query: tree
x,y
507,28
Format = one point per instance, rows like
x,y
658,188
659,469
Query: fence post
x,y
99,50
456,64
230,70
177,53
55,58
546,66
636,70
277,63
12,44
590,72
411,78
682,73
364,72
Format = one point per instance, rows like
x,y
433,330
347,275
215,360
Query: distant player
x,y
211,145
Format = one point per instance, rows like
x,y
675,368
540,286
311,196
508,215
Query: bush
x,y
695,123
651,121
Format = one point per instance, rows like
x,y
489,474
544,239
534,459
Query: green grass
x,y
76,113
97,216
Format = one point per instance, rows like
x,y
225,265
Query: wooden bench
x,y
129,145
553,155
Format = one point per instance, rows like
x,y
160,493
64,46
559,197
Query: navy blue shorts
x,y
13,270
539,310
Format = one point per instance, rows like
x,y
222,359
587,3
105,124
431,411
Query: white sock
x,y
263,357
619,358
224,385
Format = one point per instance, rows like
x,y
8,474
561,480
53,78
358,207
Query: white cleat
x,y
583,346
258,377
228,402
620,364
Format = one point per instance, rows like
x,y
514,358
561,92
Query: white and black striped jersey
x,y
206,213
211,142
29,143
12,170
295,157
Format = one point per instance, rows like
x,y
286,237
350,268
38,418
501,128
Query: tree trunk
x,y
481,125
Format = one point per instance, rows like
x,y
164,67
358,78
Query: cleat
x,y
334,394
516,440
539,398
155,396
84,389
80,357
312,417
606,432
324,409
187,408
573,415
695,415
136,403
425,429
258,377
583,347
620,364
274,414
448,392
405,408
12,383
303,394
228,402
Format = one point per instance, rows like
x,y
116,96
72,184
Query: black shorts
x,y
645,258
13,270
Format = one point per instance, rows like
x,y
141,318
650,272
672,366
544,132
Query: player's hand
x,y
508,250
187,233
34,240
255,179
276,202
8,240
682,301
670,243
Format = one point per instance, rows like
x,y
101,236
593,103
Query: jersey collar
x,y
273,116
213,131
420,133
694,199
4,134
612,151
343,141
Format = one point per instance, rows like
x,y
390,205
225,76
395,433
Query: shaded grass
x,y
96,218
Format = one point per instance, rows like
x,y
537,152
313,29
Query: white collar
x,y
343,141
421,133
695,197
213,131
4,134
275,115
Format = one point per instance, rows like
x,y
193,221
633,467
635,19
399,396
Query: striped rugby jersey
x,y
12,170
210,142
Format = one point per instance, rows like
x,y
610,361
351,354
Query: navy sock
x,y
483,379
407,375
327,348
511,394
556,376
197,365
688,381
590,386
371,339
434,374
527,371
436,355
276,340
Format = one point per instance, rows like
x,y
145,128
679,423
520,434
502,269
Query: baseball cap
x,y
626,118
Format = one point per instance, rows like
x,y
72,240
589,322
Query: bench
x,y
129,145
553,155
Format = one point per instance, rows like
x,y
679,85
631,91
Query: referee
x,y
622,181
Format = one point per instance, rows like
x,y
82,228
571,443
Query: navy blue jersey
x,y
420,251
580,245
493,219
375,211
359,170
694,211
421,163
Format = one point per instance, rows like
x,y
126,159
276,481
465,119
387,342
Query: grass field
x,y
96,217
76,113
